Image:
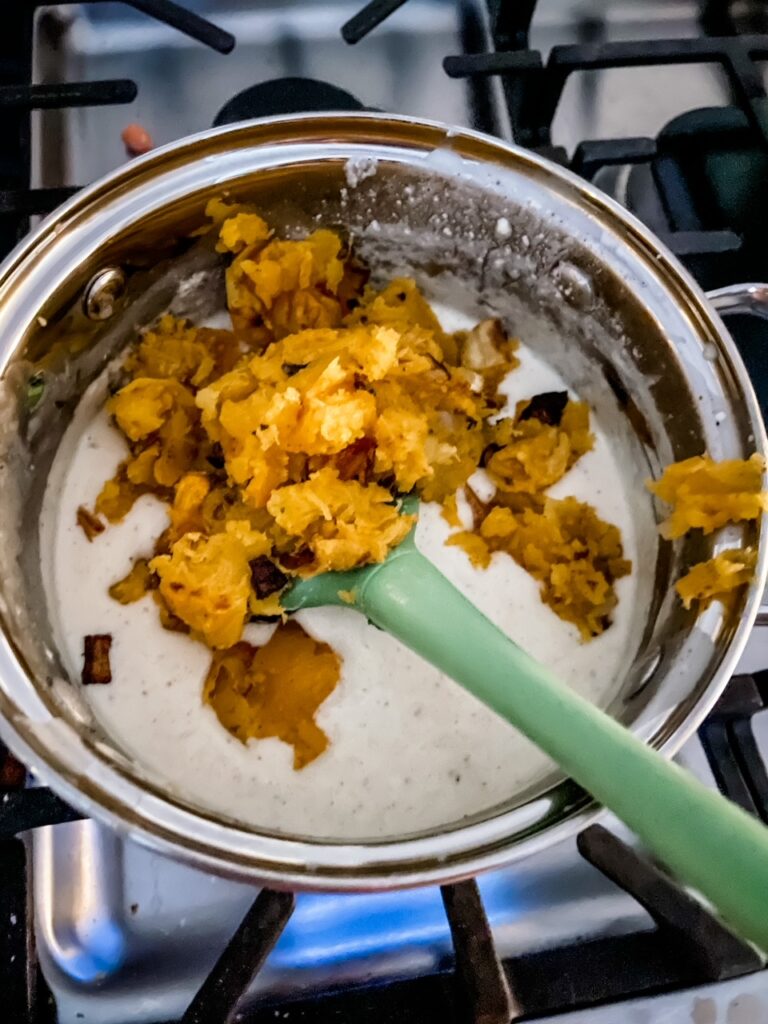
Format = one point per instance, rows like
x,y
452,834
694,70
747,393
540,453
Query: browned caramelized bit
x,y
548,407
89,523
488,452
518,502
439,365
216,458
353,281
163,543
298,466
266,577
356,461
297,559
291,369
96,668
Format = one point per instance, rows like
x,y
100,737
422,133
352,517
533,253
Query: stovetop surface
x,y
126,935
397,68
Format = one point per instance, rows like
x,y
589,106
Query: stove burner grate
x,y
18,97
687,947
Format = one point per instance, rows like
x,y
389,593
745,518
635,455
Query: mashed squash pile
x,y
284,447
293,437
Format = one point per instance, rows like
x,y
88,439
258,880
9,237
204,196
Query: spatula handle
x,y
707,841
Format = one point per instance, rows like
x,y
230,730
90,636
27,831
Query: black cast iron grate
x,y
18,97
731,746
687,947
533,87
25,999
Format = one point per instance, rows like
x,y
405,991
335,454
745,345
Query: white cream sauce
x,y
410,750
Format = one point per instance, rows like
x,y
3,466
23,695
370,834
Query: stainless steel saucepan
x,y
530,242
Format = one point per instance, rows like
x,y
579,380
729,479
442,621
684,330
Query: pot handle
x,y
744,300
750,299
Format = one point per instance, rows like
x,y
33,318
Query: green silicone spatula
x,y
707,841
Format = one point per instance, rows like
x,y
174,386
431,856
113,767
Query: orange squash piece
x,y
718,578
275,690
706,495
206,581
575,556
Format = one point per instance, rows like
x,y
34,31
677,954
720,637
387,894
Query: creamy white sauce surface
x,y
410,750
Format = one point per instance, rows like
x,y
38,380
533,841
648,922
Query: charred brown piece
x,y
266,577
289,369
216,458
478,508
96,668
297,559
351,286
548,407
438,365
488,451
89,523
356,461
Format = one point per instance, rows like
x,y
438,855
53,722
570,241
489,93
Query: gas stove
x,y
662,105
